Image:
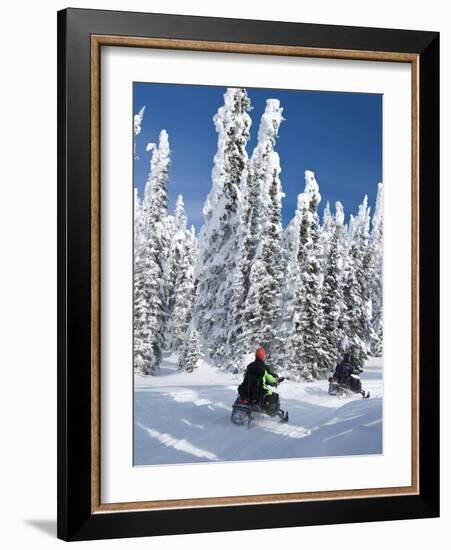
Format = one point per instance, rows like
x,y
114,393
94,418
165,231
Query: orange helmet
x,y
260,354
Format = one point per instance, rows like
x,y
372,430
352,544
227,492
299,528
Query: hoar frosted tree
x,y
258,278
326,232
307,353
184,292
219,237
359,332
376,268
332,301
149,292
137,120
173,265
188,359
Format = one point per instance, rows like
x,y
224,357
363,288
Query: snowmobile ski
x,y
284,417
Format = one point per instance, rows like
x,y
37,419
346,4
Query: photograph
x,y
257,273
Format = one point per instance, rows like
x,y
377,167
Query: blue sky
x,y
336,135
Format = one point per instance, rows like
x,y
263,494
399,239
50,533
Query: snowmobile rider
x,y
343,373
258,371
257,383
256,390
344,369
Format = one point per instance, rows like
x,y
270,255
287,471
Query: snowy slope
x,y
185,417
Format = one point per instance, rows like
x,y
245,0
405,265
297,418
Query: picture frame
x,y
81,36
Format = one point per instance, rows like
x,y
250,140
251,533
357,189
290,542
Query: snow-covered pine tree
x,y
138,223
377,245
307,341
332,290
173,264
236,330
190,354
149,295
295,240
290,270
147,195
220,233
351,232
262,242
184,293
326,232
359,331
137,120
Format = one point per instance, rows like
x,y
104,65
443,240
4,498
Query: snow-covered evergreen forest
x,y
306,293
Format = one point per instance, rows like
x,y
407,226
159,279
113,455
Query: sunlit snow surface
x,y
185,417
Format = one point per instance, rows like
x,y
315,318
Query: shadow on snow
x,y
185,424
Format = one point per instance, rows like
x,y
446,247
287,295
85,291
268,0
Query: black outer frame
x,y
75,520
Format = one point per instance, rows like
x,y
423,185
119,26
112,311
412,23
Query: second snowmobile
x,y
344,387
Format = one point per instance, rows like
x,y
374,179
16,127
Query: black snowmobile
x,y
252,399
344,386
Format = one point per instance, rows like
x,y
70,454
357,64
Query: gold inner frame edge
x,y
97,41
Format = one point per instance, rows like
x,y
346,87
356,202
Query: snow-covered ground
x,y
185,417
